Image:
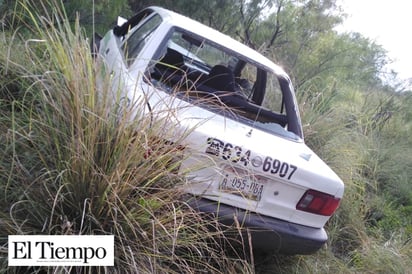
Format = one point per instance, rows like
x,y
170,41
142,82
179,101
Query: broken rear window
x,y
221,80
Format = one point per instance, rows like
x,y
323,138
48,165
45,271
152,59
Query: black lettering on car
x,y
275,166
214,146
245,158
238,153
234,153
227,151
294,168
283,169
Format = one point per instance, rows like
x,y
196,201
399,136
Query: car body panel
x,y
237,164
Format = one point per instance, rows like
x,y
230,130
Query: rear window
x,y
222,81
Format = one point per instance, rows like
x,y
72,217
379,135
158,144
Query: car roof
x,y
183,22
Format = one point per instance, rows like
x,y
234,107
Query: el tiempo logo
x,y
61,250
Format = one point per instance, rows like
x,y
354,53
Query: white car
x,y
246,156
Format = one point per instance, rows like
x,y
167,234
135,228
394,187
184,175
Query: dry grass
x,y
72,163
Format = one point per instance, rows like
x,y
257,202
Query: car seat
x,y
221,78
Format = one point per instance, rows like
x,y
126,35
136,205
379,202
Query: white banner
x,y
61,250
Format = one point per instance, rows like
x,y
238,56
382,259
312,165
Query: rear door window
x,y
134,43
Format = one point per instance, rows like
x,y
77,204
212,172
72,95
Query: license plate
x,y
245,186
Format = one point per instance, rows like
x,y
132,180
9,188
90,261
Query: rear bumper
x,y
268,234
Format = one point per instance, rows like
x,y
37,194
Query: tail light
x,y
318,203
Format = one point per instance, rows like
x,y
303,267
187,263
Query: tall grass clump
x,y
362,136
72,164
